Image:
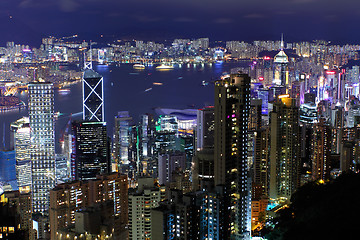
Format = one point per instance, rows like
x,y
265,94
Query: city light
x,y
174,138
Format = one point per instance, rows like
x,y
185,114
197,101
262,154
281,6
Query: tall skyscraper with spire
x,y
232,103
92,149
93,93
281,73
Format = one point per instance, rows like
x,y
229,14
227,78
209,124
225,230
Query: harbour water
x,y
137,91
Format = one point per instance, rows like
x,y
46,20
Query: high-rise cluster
x,y
283,119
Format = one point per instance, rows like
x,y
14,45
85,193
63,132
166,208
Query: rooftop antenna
x,y
282,41
88,64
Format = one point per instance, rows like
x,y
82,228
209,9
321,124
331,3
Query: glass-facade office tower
x,y
42,143
232,103
205,128
92,150
123,122
21,130
93,96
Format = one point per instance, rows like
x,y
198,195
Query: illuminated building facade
x,y
284,149
263,94
184,120
176,219
196,215
62,172
21,130
69,198
203,159
281,72
15,215
93,96
168,163
42,144
308,113
147,132
203,167
7,170
141,202
92,150
254,125
123,124
168,123
22,204
353,113
258,151
205,128
146,143
232,103
322,151
166,139
338,119
331,87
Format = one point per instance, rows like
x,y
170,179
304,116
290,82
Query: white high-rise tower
x,y
21,130
42,144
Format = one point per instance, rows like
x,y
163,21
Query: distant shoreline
x,y
9,103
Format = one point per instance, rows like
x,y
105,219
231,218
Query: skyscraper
x,y
93,96
92,150
258,150
203,159
205,128
169,162
21,130
42,143
281,73
141,202
69,198
232,103
285,149
322,150
123,123
147,132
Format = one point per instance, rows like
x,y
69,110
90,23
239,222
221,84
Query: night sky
x,y
26,21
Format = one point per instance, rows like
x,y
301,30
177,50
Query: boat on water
x,y
164,66
157,83
204,83
64,91
138,66
148,89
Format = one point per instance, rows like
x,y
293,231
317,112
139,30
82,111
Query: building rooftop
x,y
89,73
281,57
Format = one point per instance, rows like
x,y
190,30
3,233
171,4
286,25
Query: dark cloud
x,y
223,20
303,1
260,19
68,5
184,19
147,19
255,15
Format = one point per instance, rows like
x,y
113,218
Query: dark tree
x,y
321,211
